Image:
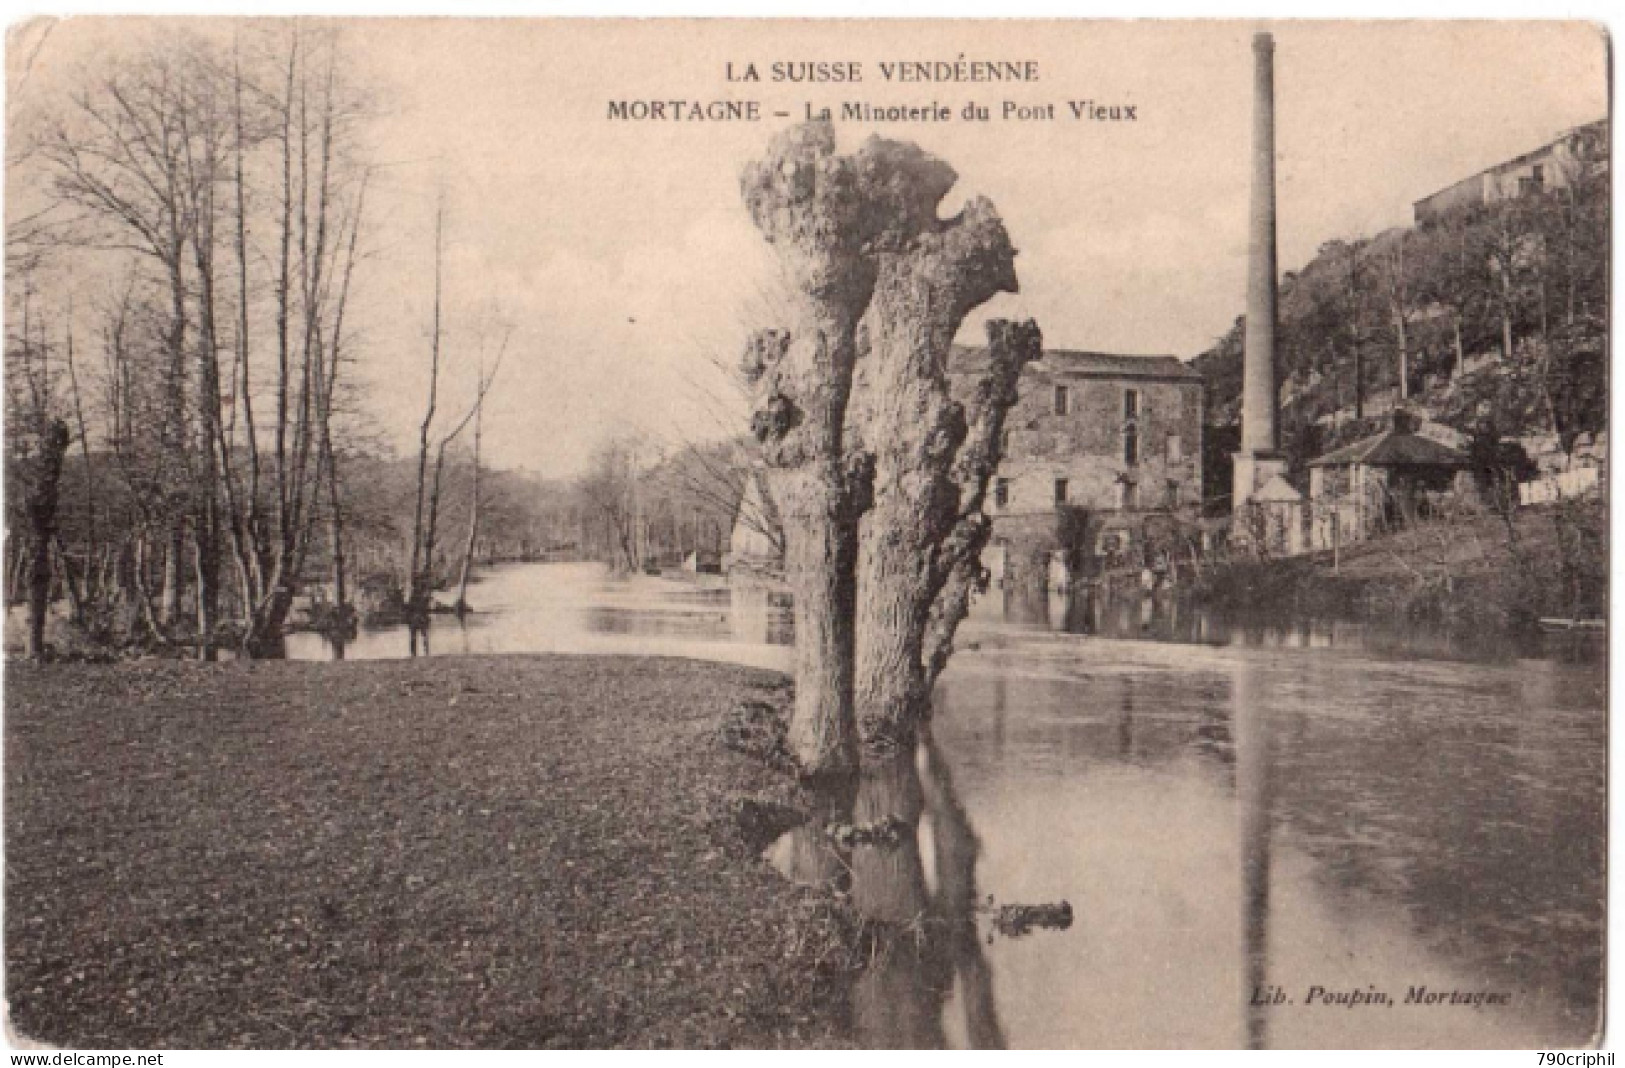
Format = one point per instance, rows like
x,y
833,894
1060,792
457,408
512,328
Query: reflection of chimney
x,y
1258,383
1255,796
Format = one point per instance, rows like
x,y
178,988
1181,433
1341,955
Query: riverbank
x,y
1476,570
463,852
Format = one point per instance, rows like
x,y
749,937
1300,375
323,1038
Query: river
x,y
1263,829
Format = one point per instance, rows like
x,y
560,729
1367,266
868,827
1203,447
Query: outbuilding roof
x,y
1393,448
1277,491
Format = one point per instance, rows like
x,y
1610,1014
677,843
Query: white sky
x,y
623,257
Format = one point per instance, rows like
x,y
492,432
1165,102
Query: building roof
x,y
1594,127
965,359
1277,491
1393,448
756,493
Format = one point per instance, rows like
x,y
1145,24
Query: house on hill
x,y
1377,483
1554,165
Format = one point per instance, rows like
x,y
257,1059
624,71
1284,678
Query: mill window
x,y
1060,491
1001,493
1131,445
1131,404
1063,401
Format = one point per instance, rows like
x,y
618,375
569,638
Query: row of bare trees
x,y
204,196
640,504
209,190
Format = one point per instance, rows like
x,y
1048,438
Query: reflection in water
x,y
1254,794
1228,822
919,888
580,608
1226,804
1164,617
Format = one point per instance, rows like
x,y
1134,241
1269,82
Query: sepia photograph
x,y
541,533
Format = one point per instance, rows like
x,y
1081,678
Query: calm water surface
x,y
1231,809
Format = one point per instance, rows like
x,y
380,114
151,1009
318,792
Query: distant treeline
x,y
188,452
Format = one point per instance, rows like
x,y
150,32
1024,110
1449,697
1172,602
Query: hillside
x,y
1489,319
1475,569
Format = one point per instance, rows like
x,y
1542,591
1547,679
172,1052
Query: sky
x,y
620,255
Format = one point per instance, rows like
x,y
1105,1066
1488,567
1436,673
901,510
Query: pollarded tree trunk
x,y
819,501
906,414
921,563
838,225
42,500
820,212
987,398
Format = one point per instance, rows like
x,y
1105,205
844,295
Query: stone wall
x,y
1086,445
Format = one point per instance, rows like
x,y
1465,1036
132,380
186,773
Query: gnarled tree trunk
x,y
43,493
906,414
987,399
819,211
819,503
861,242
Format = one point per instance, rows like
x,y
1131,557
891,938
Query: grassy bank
x,y
1469,570
481,852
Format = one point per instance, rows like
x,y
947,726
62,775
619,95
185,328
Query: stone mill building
x,y
1097,444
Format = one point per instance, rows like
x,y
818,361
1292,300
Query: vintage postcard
x,y
1021,534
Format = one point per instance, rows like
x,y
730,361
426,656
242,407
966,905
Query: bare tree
x,y
606,490
171,159
818,211
1514,254
37,441
1396,283
427,524
485,382
118,162
906,417
419,578
861,243
44,481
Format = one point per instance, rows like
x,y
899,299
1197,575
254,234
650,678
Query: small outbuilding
x,y
756,543
1378,483
703,562
1276,517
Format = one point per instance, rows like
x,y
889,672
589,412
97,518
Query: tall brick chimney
x,y
1258,388
1259,459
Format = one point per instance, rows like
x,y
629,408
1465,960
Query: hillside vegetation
x,y
1479,567
1491,319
